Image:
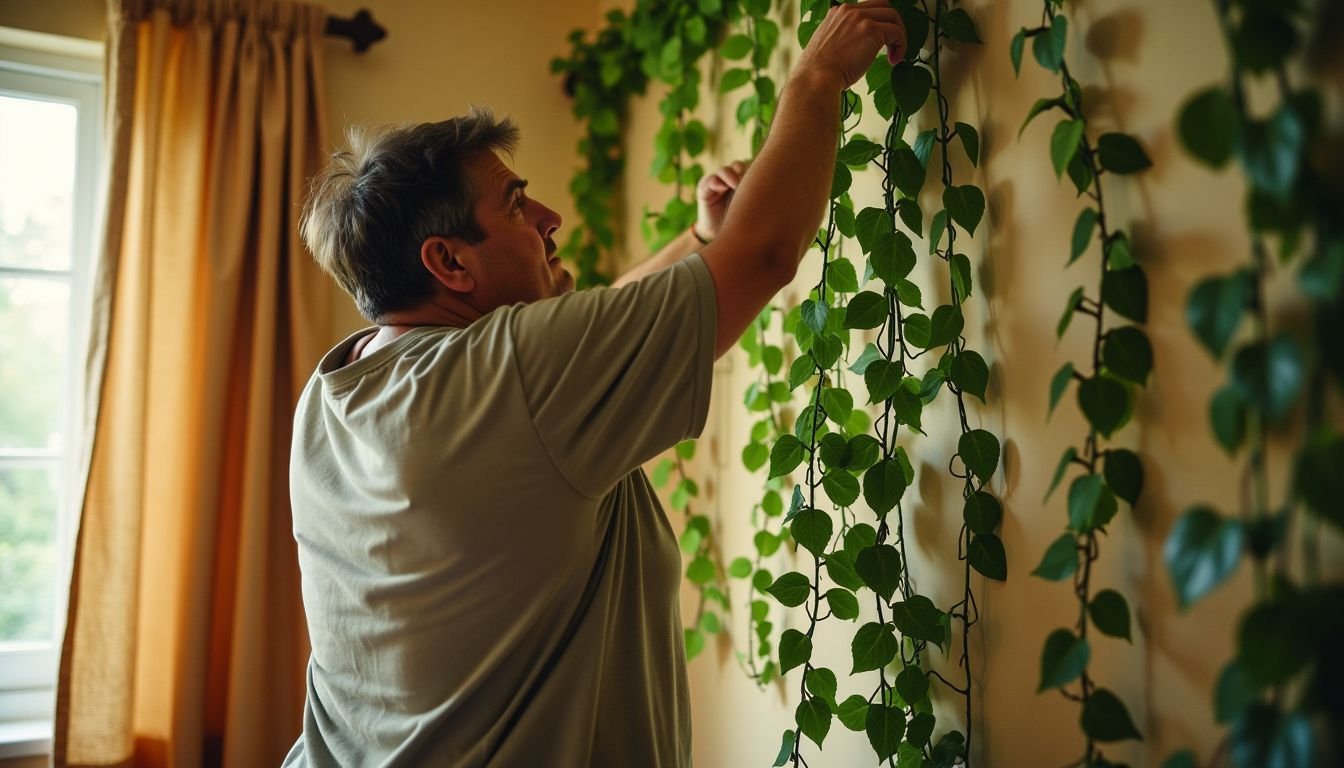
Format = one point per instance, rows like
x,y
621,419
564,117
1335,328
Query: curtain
x,y
185,642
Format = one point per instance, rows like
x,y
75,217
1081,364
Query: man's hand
x,y
849,37
713,195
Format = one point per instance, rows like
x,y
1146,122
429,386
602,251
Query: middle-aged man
x,y
487,575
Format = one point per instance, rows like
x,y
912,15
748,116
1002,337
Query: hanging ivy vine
x,y
1121,359
1280,695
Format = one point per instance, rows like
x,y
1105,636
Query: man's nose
x,y
548,222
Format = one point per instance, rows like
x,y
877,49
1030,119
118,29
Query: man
x,y
487,575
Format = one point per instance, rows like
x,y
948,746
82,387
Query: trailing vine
x,y
1280,695
1121,359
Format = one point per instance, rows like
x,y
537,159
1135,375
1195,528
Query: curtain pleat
x,y
185,643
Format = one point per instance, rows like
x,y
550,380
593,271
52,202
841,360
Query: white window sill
x,y
25,738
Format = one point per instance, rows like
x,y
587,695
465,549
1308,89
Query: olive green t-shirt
x,y
488,577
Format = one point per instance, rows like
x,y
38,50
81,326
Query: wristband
x,y
697,236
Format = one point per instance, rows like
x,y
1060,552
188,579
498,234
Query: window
x,y
50,103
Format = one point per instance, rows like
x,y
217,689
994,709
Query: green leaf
x,y
853,712
885,727
987,556
1106,719
1201,551
970,373
700,571
1233,694
1110,614
866,310
1318,479
735,47
1272,152
821,682
1264,38
960,266
1183,759
694,641
785,749
795,649
966,205
910,84
909,295
786,455
1124,474
864,451
918,618
740,568
1120,153
869,225
813,717
1060,561
1059,383
1082,233
880,568
1265,736
1272,647
919,730
911,215
979,451
811,528
957,24
837,403
1091,504
1270,376
1048,47
840,568
866,358
1069,308
918,330
858,153
883,485
1105,403
883,378
1118,253
1039,106
1127,353
841,180
937,226
1061,467
791,589
1019,41
873,647
734,79
1064,143
1209,126
893,257
841,487
912,685
840,274
844,605
906,171
1080,173
945,325
970,140
1063,659
982,512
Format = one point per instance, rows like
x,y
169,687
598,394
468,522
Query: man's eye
x,y
518,203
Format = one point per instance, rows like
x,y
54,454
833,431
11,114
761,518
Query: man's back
x,y
487,581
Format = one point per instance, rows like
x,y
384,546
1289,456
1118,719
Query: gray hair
x,y
370,209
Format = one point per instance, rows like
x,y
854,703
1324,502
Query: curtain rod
x,y
361,29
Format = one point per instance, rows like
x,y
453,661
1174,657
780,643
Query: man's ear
x,y
442,256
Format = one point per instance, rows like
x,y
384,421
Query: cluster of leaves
x,y
846,456
1281,693
1121,360
601,75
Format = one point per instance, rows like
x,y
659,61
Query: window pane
x,y
34,320
37,182
28,499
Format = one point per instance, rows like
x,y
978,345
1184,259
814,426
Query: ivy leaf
x,y
924,146
910,84
979,451
885,727
811,528
1201,551
1037,107
936,228
866,358
841,487
1091,504
893,256
1058,383
734,79
1120,153
785,749
911,215
1110,613
918,732
858,153
1209,126
840,567
1233,693
837,403
841,180
1318,479
795,649
735,47
1264,39
740,568
987,556
906,171
982,512
960,266
883,378
912,685
802,369
970,373
791,589
1272,150
1061,559
1064,142
813,717
909,294
1065,460
1048,47
1270,376
880,568
840,274
957,24
966,205
1264,736
844,605
1063,660
918,330
1072,306
869,225
1015,50
1118,253
821,682
1124,474
945,325
906,404
1106,719
694,641
873,647
866,310
1105,403
1271,645
1215,308
883,485
1080,173
918,618
1082,233
970,140
786,455
1127,353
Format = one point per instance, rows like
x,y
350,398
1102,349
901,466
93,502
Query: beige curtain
x,y
185,642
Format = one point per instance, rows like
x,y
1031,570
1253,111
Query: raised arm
x,y
778,206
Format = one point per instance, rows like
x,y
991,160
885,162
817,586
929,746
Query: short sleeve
x,y
614,376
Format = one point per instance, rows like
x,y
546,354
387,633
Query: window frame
x,y
69,71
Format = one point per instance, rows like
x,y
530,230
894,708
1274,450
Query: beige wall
x,y
1138,59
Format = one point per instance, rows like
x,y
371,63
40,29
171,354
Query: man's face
x,y
517,259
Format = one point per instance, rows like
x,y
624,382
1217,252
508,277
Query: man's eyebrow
x,y
513,186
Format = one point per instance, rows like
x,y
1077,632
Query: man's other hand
x,y
849,37
713,195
